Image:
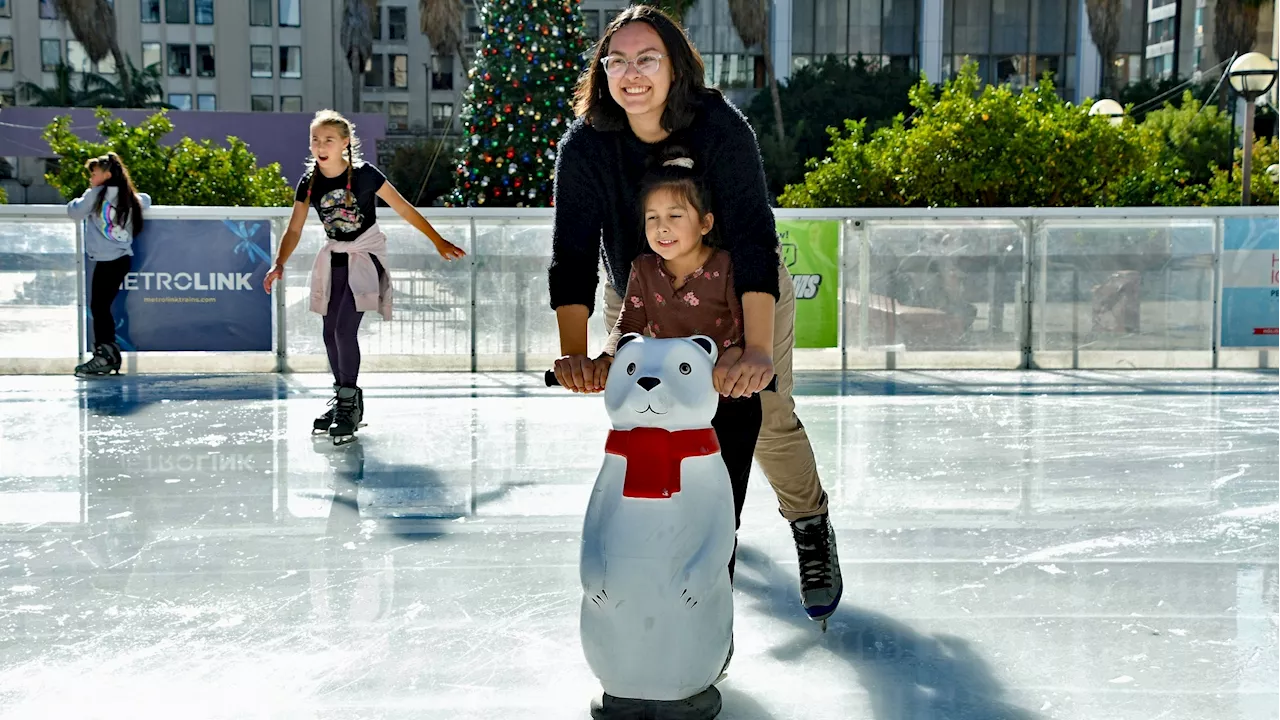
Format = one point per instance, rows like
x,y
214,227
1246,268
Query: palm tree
x,y
751,21
358,17
93,22
136,89
441,22
675,8
64,93
1104,26
1235,27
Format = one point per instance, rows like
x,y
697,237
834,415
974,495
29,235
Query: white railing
x,y
919,288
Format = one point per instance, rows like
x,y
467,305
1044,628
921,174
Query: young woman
x,y
646,85
112,211
349,275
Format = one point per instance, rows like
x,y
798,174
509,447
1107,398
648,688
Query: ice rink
x,y
1083,545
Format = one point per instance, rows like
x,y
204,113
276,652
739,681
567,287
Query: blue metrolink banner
x,y
195,286
1250,292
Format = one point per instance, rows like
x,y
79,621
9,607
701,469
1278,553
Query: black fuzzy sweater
x,y
597,182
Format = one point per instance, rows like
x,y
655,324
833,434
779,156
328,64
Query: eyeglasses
x,y
646,64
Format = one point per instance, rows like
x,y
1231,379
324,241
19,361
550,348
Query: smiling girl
x,y
685,286
349,276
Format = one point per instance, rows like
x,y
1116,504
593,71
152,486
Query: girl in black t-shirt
x,y
349,275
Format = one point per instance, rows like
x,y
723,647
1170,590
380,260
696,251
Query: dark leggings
x,y
737,426
107,276
341,323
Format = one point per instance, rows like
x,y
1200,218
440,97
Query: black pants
x,y
107,276
737,426
341,327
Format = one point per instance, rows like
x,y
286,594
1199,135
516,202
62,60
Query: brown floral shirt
x,y
705,304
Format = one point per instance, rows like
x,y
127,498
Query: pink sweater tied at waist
x,y
372,292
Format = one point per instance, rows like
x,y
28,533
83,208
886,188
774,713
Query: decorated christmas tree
x,y
519,102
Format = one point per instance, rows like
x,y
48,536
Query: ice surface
x,y
1015,545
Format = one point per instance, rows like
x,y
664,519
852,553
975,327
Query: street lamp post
x,y
1252,74
1110,109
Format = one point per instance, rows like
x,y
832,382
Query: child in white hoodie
x,y
112,211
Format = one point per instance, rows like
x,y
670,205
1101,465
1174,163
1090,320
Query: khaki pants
x,y
783,450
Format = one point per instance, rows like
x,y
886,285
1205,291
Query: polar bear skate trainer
x,y
657,611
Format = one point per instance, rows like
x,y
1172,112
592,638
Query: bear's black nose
x,y
648,383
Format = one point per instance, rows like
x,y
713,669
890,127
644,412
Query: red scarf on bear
x,y
653,457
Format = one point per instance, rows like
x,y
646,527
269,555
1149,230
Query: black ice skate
x,y
703,706
322,423
348,412
105,361
820,583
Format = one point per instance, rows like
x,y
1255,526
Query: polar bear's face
x,y
662,383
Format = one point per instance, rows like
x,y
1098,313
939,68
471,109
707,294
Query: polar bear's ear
x,y
706,344
626,339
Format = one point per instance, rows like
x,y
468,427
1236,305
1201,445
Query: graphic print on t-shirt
x,y
339,214
108,225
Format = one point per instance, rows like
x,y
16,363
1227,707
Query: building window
x,y
179,61
177,12
4,8
150,11
262,103
441,72
399,71
260,61
48,10
290,13
6,54
397,23
204,13
207,103
398,115
290,61
50,54
76,57
291,103
377,22
441,116
373,74
151,54
373,107
181,101
593,24
204,61
79,61
260,13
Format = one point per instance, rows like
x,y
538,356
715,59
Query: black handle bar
x,y
552,381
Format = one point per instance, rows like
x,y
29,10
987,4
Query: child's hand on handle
x,y
721,372
274,274
750,374
448,250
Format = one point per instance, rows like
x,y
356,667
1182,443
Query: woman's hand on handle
x,y
576,373
581,374
274,274
750,374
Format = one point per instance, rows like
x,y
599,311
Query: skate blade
x,y
341,440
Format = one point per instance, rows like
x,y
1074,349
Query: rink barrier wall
x,y
1006,288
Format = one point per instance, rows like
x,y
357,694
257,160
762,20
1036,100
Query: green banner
x,y
811,251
